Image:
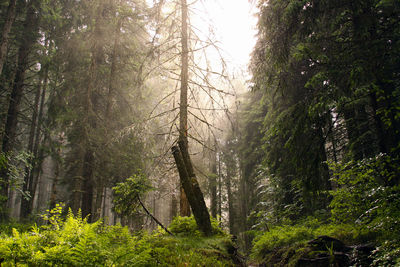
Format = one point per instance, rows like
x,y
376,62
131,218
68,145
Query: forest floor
x,y
72,241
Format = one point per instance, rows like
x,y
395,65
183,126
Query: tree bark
x,y
174,204
183,128
213,184
192,189
10,18
219,190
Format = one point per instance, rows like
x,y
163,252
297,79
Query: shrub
x,y
187,226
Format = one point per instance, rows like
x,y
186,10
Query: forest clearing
x,y
200,133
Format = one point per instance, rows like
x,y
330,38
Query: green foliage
x,y
6,229
16,164
53,216
187,226
366,194
3,160
75,242
292,235
387,254
126,194
314,66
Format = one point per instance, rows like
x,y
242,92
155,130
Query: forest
x,y
129,139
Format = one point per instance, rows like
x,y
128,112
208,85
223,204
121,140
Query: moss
x,y
285,245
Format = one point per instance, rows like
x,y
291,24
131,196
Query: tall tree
x,y
26,44
183,105
35,133
191,188
315,63
10,17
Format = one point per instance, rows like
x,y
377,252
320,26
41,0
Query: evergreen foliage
x,y
323,99
313,148
127,194
320,133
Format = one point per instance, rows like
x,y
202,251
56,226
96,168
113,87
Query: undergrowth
x,y
296,235
75,242
365,209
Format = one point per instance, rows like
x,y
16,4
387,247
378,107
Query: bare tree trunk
x,y
213,184
10,18
192,189
183,131
219,189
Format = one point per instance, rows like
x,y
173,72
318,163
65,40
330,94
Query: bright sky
x,y
234,24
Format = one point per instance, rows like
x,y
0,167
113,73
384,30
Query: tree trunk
x,y
213,184
231,210
174,204
28,171
30,30
38,155
87,189
83,184
10,17
184,204
34,139
244,209
107,116
219,190
192,189
53,195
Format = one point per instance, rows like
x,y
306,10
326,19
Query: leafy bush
x,y
127,193
186,226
